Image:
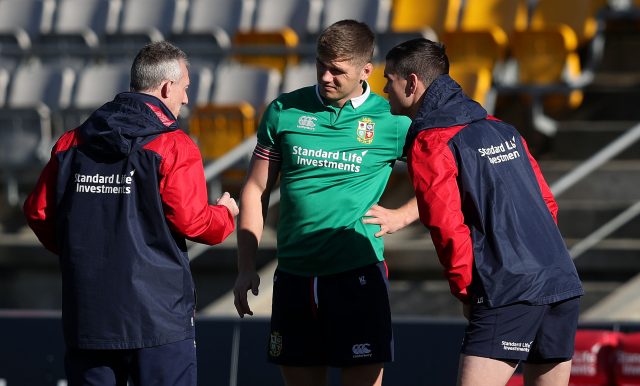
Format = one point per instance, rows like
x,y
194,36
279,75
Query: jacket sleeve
x,y
547,195
433,172
184,195
40,206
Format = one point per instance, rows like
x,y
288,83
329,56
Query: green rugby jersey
x,y
335,164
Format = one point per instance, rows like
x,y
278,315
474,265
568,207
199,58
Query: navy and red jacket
x,y
115,202
490,213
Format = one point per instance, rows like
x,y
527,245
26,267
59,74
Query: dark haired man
x,y
492,219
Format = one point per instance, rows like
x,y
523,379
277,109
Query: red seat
x,y
627,368
593,358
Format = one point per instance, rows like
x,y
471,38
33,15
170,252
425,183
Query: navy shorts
x,y
523,332
334,320
166,365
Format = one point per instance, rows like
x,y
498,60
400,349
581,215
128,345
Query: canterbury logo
x,y
307,122
361,349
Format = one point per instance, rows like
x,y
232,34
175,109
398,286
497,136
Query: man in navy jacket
x,y
492,219
116,202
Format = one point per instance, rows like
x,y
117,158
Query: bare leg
x,y
304,376
479,371
365,375
547,374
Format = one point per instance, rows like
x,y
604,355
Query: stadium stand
x,y
416,16
477,83
373,12
239,92
554,57
578,15
77,30
377,80
35,92
95,85
281,33
142,21
21,23
301,16
481,37
4,81
210,25
199,91
218,128
271,49
297,76
252,84
412,18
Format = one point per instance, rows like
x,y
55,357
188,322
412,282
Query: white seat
x,y
302,16
299,76
35,90
77,29
199,91
219,19
373,12
201,82
4,81
22,22
99,83
144,21
38,84
236,83
95,85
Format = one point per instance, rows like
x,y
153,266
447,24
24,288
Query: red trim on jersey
x,y
266,153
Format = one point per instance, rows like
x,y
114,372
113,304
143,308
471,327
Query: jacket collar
x,y
444,105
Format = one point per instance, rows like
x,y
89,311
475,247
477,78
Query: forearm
x,y
250,226
409,211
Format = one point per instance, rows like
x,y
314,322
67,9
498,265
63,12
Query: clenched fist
x,y
229,202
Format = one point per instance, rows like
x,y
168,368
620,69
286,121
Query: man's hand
x,y
229,202
390,220
244,282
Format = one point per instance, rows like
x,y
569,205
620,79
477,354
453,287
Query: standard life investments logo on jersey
x,y
342,160
350,161
104,184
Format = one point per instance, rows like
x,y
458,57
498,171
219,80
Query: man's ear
x,y
412,84
165,89
366,71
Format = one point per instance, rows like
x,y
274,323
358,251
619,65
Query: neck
x,y
415,107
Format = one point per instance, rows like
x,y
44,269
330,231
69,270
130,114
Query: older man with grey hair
x,y
116,203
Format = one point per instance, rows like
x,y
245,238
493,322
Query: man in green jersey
x,y
333,146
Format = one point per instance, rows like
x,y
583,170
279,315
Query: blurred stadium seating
x,y
561,71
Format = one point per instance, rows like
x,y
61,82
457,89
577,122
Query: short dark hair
x,y
347,40
420,56
156,62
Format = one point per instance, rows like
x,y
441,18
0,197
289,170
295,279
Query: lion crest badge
x,y
275,344
365,130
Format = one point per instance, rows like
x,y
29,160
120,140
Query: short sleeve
x,y
268,146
